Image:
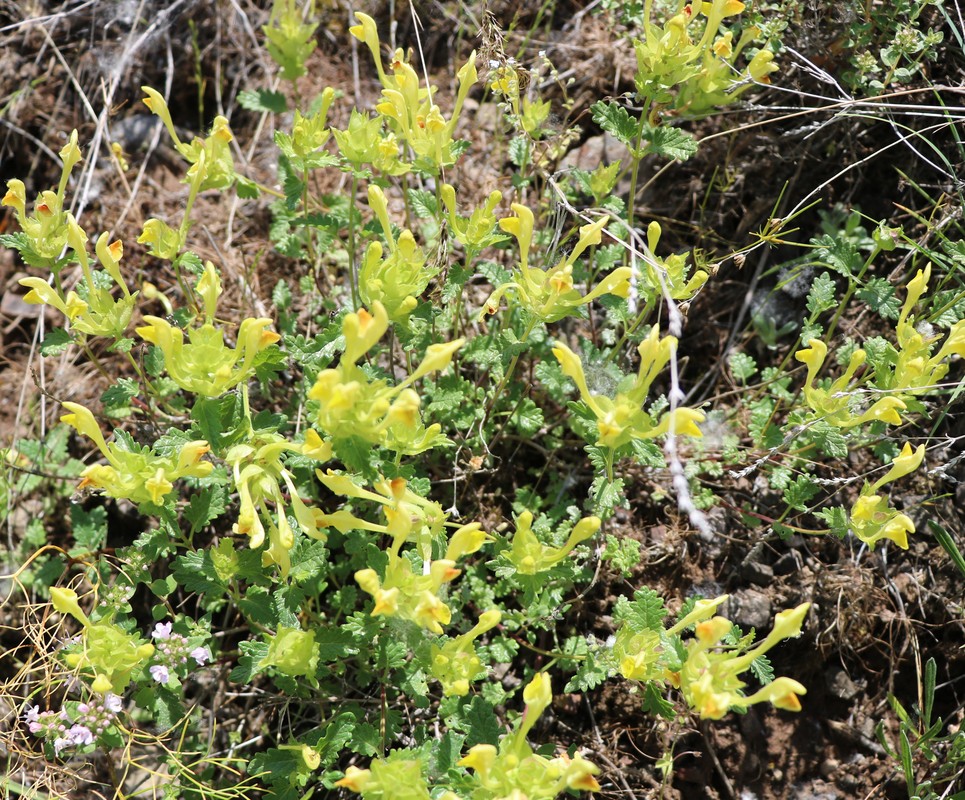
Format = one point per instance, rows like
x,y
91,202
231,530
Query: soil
x,y
876,617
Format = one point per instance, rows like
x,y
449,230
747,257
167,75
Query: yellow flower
x,y
520,226
813,356
480,758
158,105
65,601
42,292
82,420
368,33
110,256
906,462
781,693
16,197
355,779
157,486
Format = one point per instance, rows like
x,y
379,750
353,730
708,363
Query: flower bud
x,y
65,601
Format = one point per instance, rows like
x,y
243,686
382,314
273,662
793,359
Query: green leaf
x,y
206,505
22,244
281,295
481,725
318,352
645,612
154,361
162,587
590,674
215,417
366,740
742,366
55,342
258,607
284,768
337,734
246,188
309,559
262,100
948,543
762,670
823,294
550,374
837,520
334,644
424,204
655,703
606,496
623,553
519,151
800,491
616,120
118,396
249,663
648,453
196,573
670,142
840,254
292,184
879,294
166,706
529,417
445,753
829,438
89,528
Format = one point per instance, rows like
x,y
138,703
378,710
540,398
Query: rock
x,y
595,151
839,684
788,563
757,573
750,608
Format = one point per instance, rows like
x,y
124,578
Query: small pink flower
x,y
80,735
162,630
113,703
201,654
160,673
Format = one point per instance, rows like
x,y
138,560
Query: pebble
x,y
828,767
757,573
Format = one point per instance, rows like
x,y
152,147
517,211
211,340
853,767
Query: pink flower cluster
x,y
171,652
92,719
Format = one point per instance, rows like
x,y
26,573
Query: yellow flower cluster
x,y
204,364
549,295
622,418
511,770
409,108
403,592
710,678
351,404
530,556
137,475
262,481
704,72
